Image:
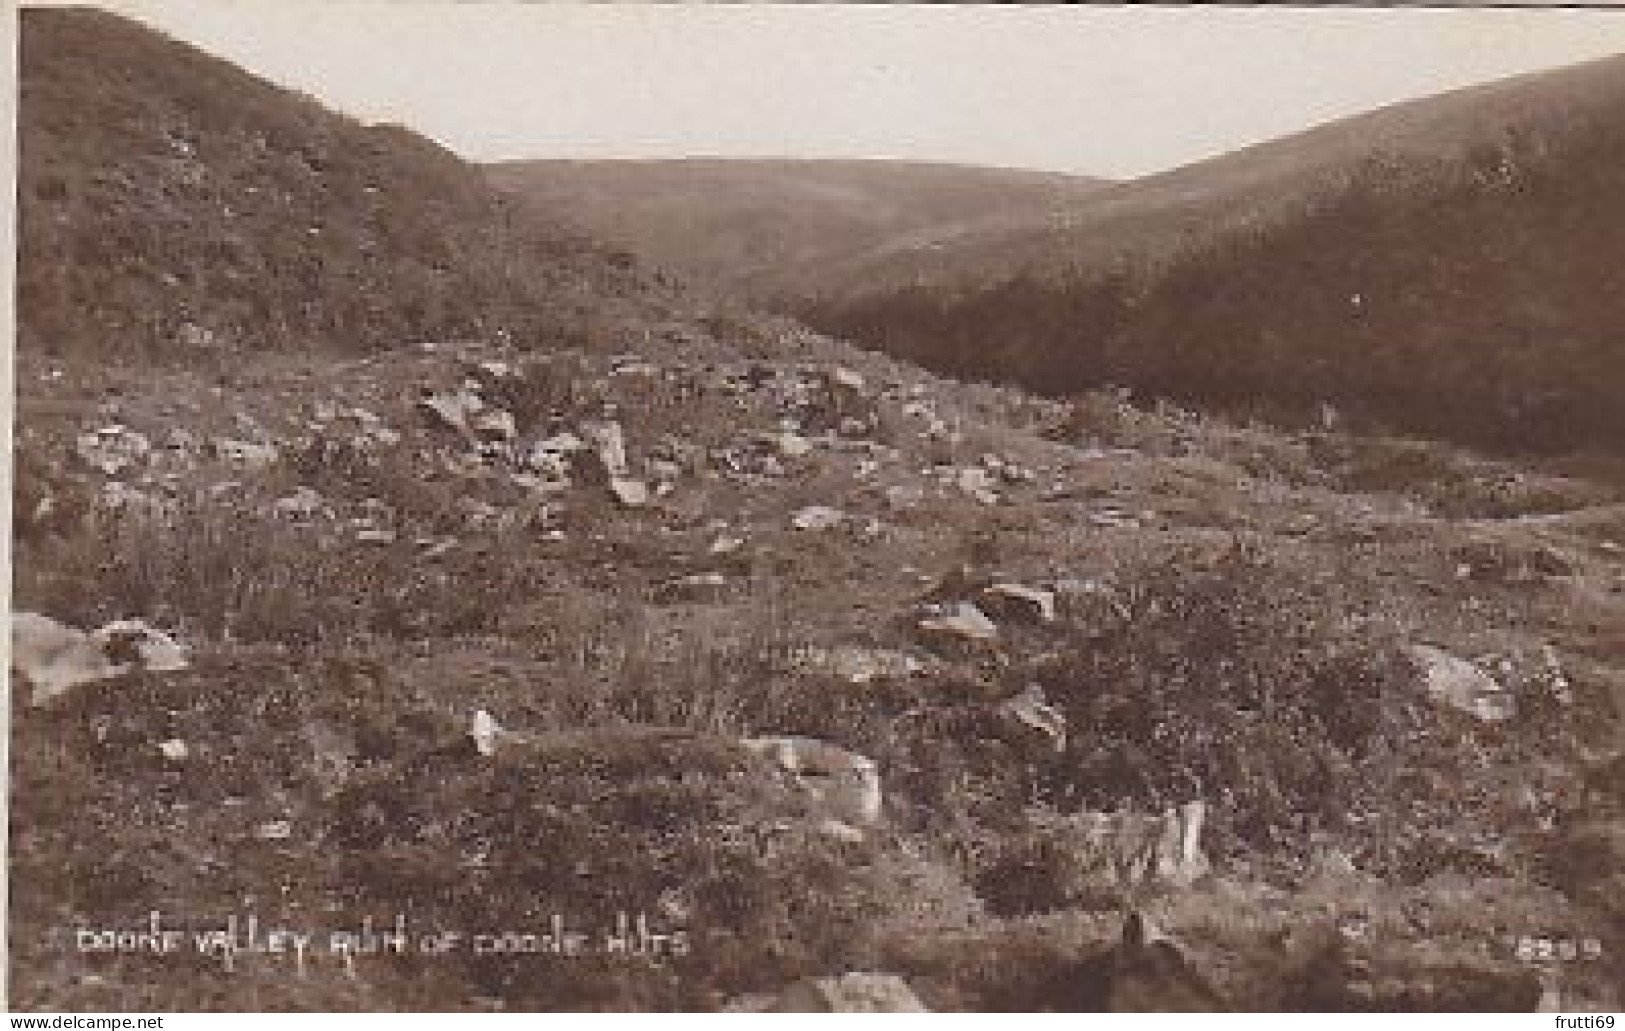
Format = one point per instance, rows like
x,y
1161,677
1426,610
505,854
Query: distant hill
x,y
1451,265
170,201
760,227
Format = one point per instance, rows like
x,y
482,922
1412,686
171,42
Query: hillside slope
x,y
716,630
170,203
1450,264
760,227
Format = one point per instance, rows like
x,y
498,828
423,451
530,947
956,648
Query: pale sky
x,y
1111,91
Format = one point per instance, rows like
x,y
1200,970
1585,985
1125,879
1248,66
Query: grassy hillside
x,y
1449,265
170,202
1231,608
763,227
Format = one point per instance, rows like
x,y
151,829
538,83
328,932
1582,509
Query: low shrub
x,y
1231,679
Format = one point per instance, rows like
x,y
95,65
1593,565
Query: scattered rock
x,y
118,496
664,471
1091,858
849,993
1016,475
479,514
817,518
1508,563
303,503
856,664
845,785
792,445
274,830
1079,595
485,731
632,365
1300,524
433,549
54,658
900,498
978,484
551,457
962,621
245,454
174,750
1460,684
1189,863
467,414
1030,709
726,545
693,588
844,379
630,493
1113,517
452,410
333,752
368,429
1033,604
182,441
1152,849
113,449
494,425
608,442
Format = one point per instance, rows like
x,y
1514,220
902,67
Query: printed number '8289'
x,y
1538,949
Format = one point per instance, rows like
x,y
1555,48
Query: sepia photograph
x,y
781,508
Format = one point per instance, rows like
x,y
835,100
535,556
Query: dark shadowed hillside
x,y
764,227
1450,265
170,201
